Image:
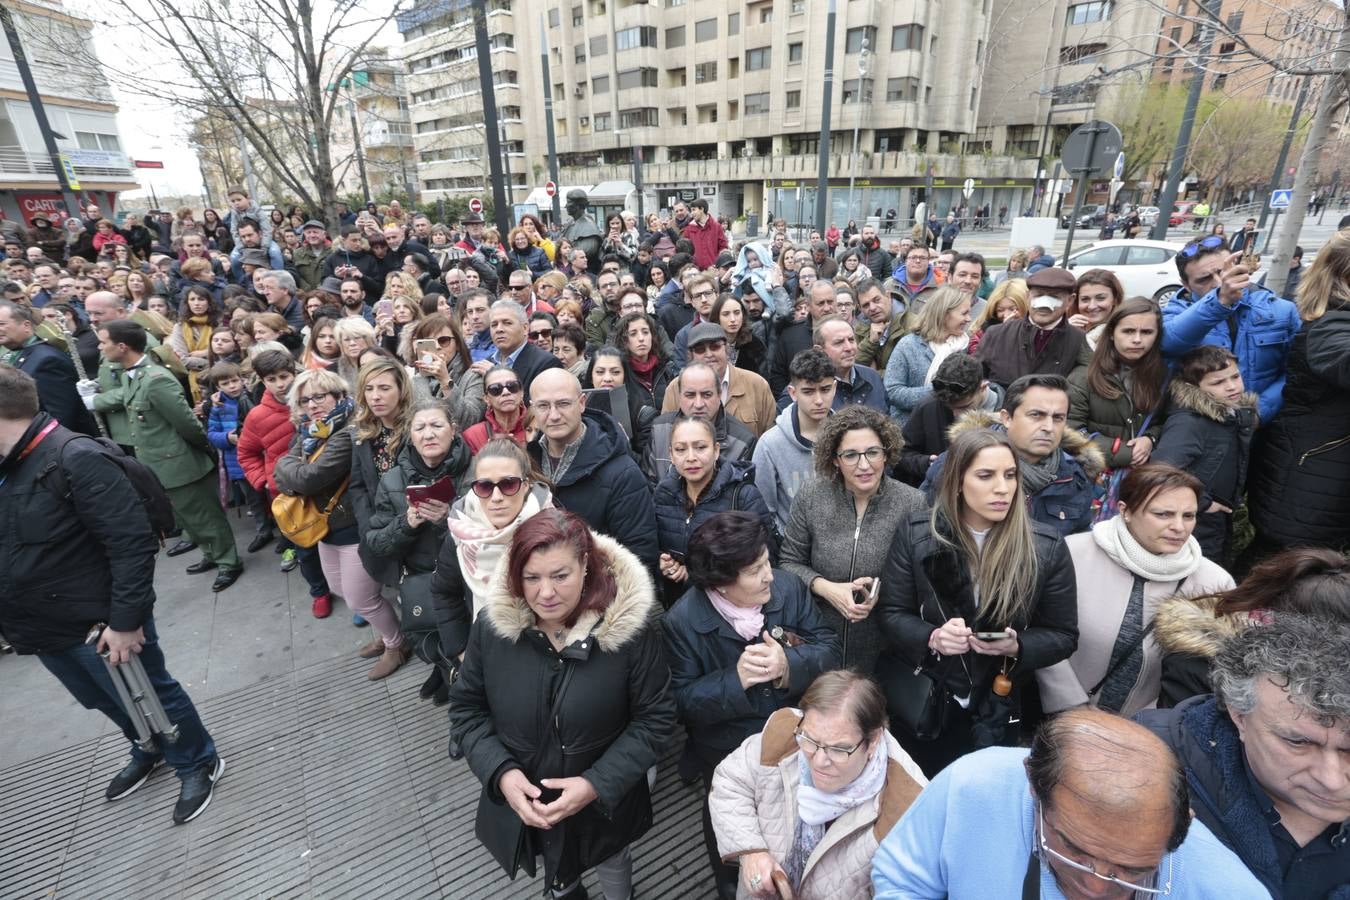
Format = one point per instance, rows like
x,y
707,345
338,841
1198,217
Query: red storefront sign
x,y
40,203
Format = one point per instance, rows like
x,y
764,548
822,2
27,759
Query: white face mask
x,y
1047,302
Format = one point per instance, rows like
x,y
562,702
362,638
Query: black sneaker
x,y
135,774
260,540
194,795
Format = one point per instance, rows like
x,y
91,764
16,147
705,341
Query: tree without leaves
x,y
1236,141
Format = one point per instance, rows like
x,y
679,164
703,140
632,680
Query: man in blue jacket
x,y
1221,305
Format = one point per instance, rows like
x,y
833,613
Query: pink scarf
x,y
748,621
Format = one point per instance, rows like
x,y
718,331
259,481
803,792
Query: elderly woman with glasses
x,y
804,803
506,416
744,641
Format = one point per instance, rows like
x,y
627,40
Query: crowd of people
x,y
914,555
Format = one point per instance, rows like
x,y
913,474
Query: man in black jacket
x,y
585,455
78,550
1267,756
52,370
351,259
507,323
796,337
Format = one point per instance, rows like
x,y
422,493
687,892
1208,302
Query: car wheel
x,y
1164,296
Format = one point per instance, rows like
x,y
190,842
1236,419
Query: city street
x,y
335,786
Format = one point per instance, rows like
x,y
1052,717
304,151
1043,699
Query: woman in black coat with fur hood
x,y
976,596
569,622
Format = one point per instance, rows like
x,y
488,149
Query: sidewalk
x,y
334,786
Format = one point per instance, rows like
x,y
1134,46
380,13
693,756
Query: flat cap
x,y
1053,279
706,331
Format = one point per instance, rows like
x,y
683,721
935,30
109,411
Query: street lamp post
x,y
857,123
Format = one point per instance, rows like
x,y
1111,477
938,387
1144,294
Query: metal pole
x,y
39,111
548,120
494,149
637,180
1037,200
1277,177
506,164
857,124
1177,170
356,142
823,173
244,158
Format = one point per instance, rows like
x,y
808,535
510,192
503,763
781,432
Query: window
x,y
581,89
675,37
707,114
1146,256
705,72
907,37
733,68
1174,36
1080,54
756,104
1102,256
854,37
1219,81
600,84
579,53
677,116
798,6
1235,22
1086,13
89,140
602,121
639,118
632,38
765,17
1227,47
851,90
705,30
637,78
795,52
677,77
675,2
757,59
734,24
577,20
973,96
928,94
979,51
902,90
600,45
793,100
554,17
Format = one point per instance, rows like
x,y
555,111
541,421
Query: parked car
x,y
1181,214
1092,216
1145,268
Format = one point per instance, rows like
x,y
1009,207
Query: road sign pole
x,y
1094,129
1277,177
1274,224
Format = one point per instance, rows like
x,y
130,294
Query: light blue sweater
x,y
905,373
969,834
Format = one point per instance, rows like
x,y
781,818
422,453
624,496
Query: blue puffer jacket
x,y
674,524
533,259
1266,326
225,417
703,649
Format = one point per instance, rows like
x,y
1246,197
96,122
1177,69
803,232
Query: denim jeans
x,y
84,674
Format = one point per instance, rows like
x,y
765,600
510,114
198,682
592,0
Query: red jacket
x,y
708,239
265,438
478,435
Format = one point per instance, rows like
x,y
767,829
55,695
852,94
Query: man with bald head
x,y
585,454
1097,809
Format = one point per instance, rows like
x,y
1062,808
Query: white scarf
x,y
1115,540
480,547
942,350
816,807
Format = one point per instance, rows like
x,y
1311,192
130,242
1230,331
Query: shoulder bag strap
x,y
1031,883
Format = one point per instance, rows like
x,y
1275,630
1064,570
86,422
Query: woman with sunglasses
x,y
838,564
446,372
771,818
319,466
411,533
744,641
979,597
504,490
506,416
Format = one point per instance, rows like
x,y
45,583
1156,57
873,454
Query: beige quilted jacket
x,y
754,807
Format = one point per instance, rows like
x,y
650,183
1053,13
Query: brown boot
x,y
373,649
390,662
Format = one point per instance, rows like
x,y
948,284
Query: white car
x,y
1145,268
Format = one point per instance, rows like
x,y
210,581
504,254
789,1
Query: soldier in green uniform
x,y
156,420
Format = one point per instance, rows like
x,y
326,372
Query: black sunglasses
x,y
505,387
1194,247
535,335
509,487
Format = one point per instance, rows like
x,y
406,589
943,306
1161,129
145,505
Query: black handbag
x,y
917,699
418,619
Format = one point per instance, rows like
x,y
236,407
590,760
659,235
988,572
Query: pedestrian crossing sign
x,y
1281,199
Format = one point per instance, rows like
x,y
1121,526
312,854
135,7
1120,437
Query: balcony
x,y
15,162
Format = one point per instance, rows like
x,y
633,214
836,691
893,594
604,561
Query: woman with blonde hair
x,y
1017,267
538,234
383,412
1007,302
1299,488
407,313
980,598
939,332
319,465
522,253
321,347
354,336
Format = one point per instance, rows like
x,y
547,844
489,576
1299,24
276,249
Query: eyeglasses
x,y
503,387
703,295
705,346
445,340
509,487
872,454
954,388
311,399
836,755
1087,868
541,333
520,287
1194,247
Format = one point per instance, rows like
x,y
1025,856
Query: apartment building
x,y
376,92
80,109
723,100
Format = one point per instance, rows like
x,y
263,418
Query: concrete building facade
x,y
80,109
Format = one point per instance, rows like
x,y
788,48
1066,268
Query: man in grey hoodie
x,y
783,455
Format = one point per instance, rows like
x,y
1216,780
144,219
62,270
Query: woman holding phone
x,y
444,370
977,597
842,565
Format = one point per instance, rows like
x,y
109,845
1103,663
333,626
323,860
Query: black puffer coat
x,y
389,536
1299,490
511,680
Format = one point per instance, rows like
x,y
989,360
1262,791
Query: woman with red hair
x,y
568,620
